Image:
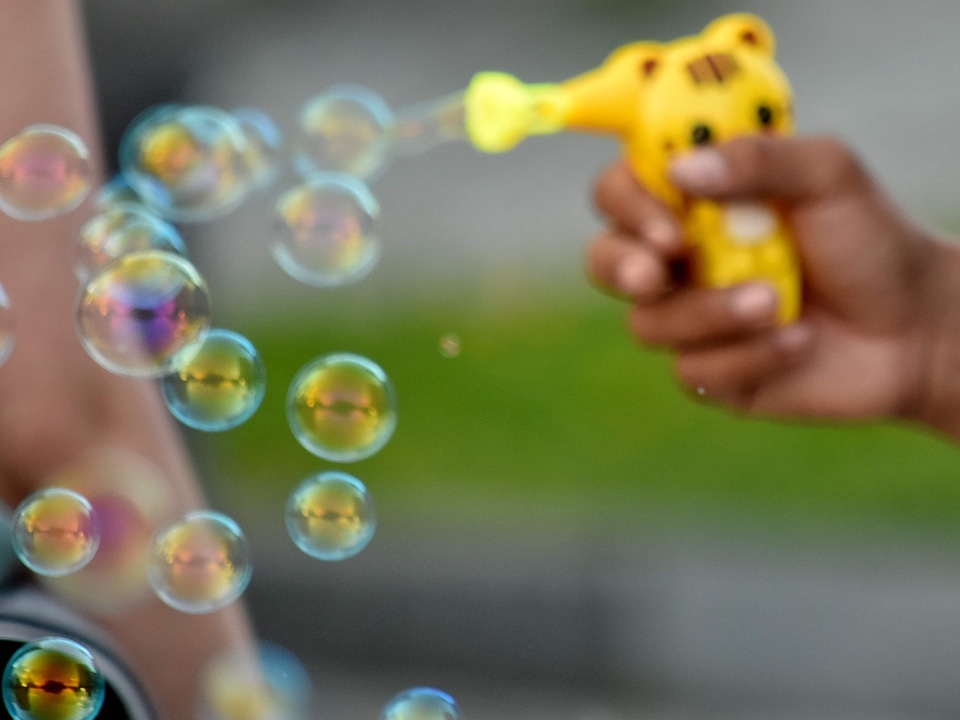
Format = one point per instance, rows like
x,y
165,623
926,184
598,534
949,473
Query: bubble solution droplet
x,y
342,407
6,327
52,679
118,230
422,704
220,387
55,532
326,231
187,163
330,516
144,314
44,172
345,129
201,563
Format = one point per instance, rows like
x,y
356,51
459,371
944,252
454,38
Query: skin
x,y
56,404
878,337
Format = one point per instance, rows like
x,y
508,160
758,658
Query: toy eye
x,y
701,135
765,115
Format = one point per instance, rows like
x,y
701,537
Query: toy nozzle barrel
x,y
500,111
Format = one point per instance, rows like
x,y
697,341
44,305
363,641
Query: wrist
x,y
937,396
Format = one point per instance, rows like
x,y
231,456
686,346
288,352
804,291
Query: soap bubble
x,y
187,163
450,345
330,516
117,191
327,231
345,129
6,327
144,314
264,145
118,230
342,407
220,387
422,704
44,172
53,679
272,685
55,532
201,563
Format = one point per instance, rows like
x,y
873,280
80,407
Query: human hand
x,y
873,295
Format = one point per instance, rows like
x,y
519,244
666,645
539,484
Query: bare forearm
x,y
56,404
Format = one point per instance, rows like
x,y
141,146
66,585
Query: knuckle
x,y
839,166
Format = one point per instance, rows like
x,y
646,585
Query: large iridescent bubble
x,y
144,314
326,231
201,563
6,327
44,172
344,129
220,387
330,516
342,407
187,163
53,679
422,703
120,229
55,532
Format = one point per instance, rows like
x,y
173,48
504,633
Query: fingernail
x,y
754,302
794,338
637,275
700,171
662,233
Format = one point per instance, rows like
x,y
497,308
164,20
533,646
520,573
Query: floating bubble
x,y
330,516
272,685
422,704
120,229
6,327
44,172
342,407
144,314
201,563
327,231
220,387
450,345
264,145
115,192
187,163
345,129
55,532
53,679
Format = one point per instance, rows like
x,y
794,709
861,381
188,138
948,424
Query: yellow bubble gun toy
x,y
662,100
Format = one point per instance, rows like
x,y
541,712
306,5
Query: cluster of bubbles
x,y
52,678
144,311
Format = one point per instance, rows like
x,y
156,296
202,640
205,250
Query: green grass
x,y
552,415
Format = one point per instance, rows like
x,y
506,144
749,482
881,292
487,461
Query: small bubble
x,y
330,516
201,563
53,679
450,345
187,163
422,704
55,532
342,407
345,129
327,231
6,327
220,387
44,172
264,146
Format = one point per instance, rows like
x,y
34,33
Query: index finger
x,y
633,209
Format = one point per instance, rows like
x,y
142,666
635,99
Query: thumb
x,y
798,169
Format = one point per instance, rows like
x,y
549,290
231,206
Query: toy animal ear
x,y
742,30
640,59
